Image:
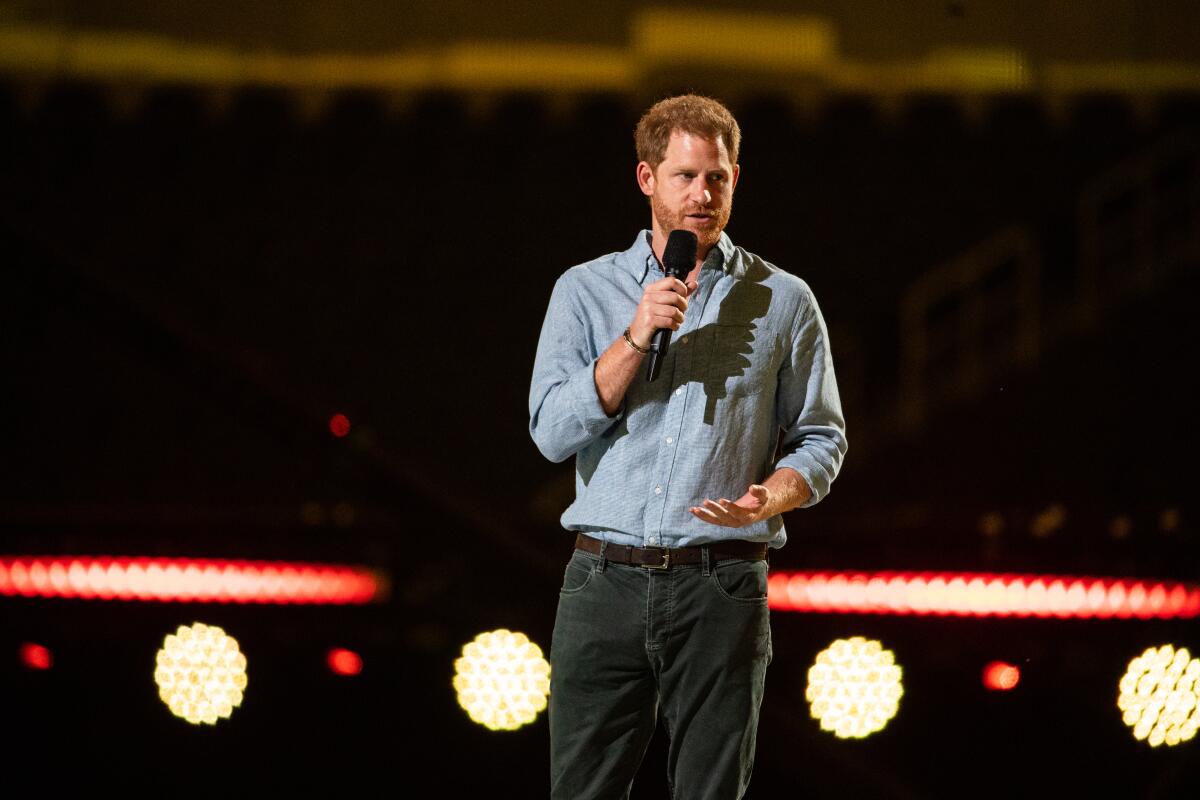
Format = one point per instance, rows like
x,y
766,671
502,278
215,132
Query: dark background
x,y
197,277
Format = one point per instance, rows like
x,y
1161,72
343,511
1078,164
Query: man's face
x,y
692,189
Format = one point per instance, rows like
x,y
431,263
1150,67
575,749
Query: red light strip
x,y
183,580
982,594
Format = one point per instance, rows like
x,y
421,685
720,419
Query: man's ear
x,y
645,178
737,171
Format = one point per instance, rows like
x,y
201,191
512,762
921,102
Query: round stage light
x,y
35,656
200,673
339,425
854,687
344,662
502,680
1159,696
1000,676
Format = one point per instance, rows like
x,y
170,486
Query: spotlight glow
x,y
344,662
339,425
35,656
502,680
1000,676
200,673
982,594
1159,697
189,580
854,687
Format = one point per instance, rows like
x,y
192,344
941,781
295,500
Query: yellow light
x,y
200,673
854,687
502,680
1159,696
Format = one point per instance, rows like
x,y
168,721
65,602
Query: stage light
x,y
502,680
35,656
339,425
854,687
1049,521
344,662
1000,676
201,674
982,594
189,580
1159,696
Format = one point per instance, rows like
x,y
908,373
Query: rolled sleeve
x,y
565,413
809,409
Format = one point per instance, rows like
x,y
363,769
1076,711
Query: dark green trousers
x,y
692,642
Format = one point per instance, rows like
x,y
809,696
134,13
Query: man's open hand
x,y
750,507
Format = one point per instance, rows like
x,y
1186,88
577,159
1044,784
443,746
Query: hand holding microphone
x,y
665,301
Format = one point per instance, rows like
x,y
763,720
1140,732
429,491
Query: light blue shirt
x,y
747,387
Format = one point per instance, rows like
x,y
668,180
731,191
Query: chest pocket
x,y
741,361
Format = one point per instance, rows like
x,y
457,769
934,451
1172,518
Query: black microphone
x,y
679,256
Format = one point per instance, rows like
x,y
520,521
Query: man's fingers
x,y
723,512
670,283
729,510
670,299
732,508
704,515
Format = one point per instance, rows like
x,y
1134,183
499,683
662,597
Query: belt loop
x,y
704,559
603,559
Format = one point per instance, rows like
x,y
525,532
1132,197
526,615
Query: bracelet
x,y
629,341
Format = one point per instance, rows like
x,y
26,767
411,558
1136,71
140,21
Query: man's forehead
x,y
679,134
684,141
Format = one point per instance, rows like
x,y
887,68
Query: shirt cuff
x,y
585,402
816,476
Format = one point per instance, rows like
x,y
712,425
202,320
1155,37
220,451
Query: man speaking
x,y
680,480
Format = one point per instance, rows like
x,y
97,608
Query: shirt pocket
x,y
740,361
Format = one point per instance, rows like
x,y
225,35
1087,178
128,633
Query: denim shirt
x,y
747,387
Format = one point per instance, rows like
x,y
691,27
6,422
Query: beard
x,y
707,234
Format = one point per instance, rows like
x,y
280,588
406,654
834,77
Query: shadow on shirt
x,y
736,359
731,358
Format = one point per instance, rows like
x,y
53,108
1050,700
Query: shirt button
x,y
679,390
669,440
658,490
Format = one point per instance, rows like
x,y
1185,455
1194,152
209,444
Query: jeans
x,y
691,640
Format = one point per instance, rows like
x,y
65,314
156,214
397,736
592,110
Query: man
x,y
663,605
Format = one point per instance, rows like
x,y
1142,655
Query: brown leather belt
x,y
665,557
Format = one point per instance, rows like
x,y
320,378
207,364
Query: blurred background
x,y
224,224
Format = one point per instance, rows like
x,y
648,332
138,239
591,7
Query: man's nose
x,y
701,193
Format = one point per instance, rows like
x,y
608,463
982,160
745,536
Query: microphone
x,y
679,256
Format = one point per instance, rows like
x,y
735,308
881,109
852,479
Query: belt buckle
x,y
666,560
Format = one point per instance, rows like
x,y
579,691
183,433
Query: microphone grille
x,y
680,253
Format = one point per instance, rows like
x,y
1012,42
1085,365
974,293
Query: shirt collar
x,y
640,259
